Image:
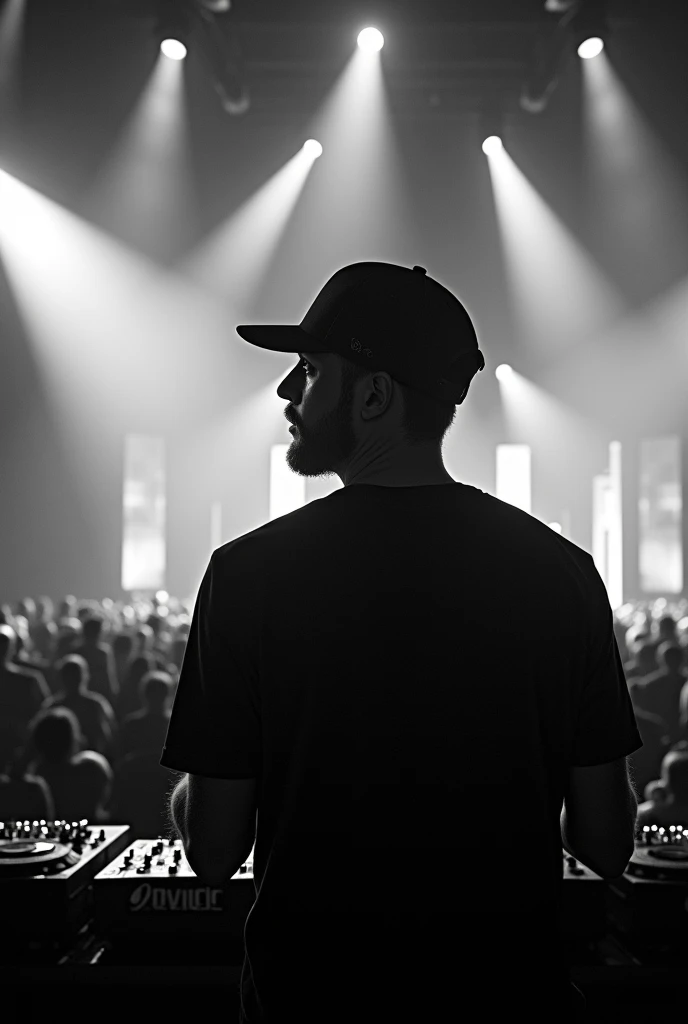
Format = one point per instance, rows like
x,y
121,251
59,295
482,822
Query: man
x,y
660,692
100,660
93,711
144,730
22,692
334,685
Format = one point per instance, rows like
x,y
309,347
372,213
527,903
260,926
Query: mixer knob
x,y
101,836
172,869
177,856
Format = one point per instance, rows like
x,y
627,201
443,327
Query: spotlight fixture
x,y
173,49
582,19
590,47
195,24
492,145
370,40
313,148
590,28
503,372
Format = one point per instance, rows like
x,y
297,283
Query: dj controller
x,y
61,881
648,904
46,880
149,892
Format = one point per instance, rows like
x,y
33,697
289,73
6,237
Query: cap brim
x,y
280,338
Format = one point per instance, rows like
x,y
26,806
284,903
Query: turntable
x,y
648,905
46,874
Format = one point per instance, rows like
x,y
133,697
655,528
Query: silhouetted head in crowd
x,y
21,628
145,637
667,627
55,735
67,607
27,608
73,674
8,644
154,622
122,646
138,667
155,689
68,637
45,609
646,658
93,629
671,655
675,775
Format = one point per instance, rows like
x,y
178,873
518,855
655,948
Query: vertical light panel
x,y
287,490
607,526
660,516
513,475
615,584
144,507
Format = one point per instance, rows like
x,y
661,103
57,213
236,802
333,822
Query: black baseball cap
x,y
386,317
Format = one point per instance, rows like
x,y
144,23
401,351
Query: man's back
x,y
80,786
367,657
94,713
101,665
22,691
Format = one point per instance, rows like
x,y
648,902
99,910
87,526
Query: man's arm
x,y
599,817
216,821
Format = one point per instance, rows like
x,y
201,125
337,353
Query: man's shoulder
x,y
91,762
24,672
96,698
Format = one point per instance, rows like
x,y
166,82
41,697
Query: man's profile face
x,y
323,440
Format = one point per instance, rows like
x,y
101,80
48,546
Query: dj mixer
x,y
46,874
59,879
149,891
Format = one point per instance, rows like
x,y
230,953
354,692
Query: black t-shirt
x,y
409,672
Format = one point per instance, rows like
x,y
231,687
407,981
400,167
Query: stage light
x,y
590,47
503,372
173,49
492,145
370,40
312,147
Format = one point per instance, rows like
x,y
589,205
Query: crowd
x,y
86,691
85,696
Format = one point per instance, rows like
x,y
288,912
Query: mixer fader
x,y
160,858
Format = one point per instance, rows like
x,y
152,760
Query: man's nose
x,y
290,388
